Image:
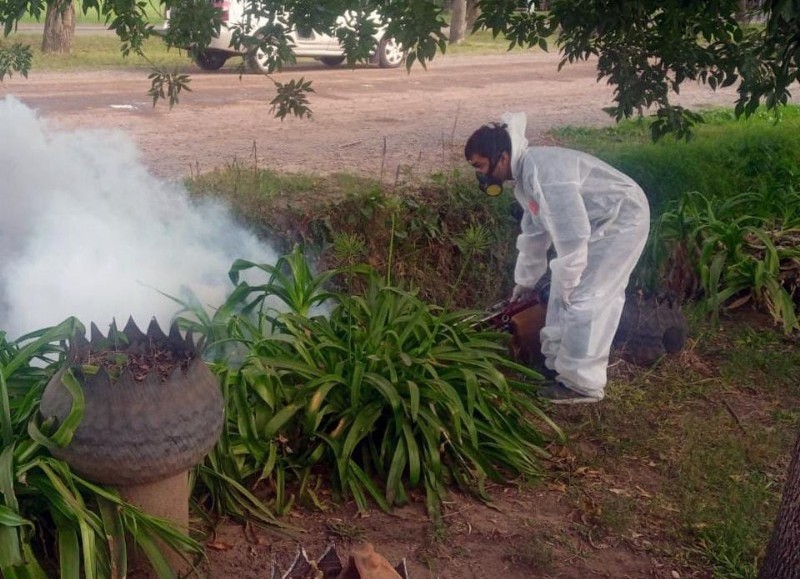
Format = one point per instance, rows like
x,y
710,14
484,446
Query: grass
x,y
691,454
482,42
713,427
428,225
99,52
726,156
154,12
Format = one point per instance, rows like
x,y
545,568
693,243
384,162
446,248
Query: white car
x,y
386,52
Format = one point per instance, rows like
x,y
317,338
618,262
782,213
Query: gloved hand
x,y
521,292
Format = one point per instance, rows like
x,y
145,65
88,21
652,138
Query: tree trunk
x,y
59,27
458,21
473,11
782,559
742,12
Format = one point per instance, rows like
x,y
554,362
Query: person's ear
x,y
505,156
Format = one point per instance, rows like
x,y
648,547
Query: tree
x,y
59,27
473,11
458,21
647,48
782,559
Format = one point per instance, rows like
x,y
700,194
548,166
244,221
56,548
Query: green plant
x,y
89,523
740,248
426,226
385,387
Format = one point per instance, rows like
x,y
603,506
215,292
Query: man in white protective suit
x,y
596,218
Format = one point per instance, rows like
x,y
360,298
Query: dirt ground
x,y
373,121
390,124
524,533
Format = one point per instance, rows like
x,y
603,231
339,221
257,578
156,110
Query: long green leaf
x,y
413,393
10,519
386,388
280,419
370,485
69,549
414,460
6,428
358,430
66,429
155,556
115,537
63,331
393,480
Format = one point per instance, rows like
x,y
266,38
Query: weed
x,y
385,388
438,533
532,553
617,514
45,504
732,251
344,531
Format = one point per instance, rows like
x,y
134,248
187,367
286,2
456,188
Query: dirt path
x,y
368,120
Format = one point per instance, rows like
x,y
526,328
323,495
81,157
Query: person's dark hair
x,y
489,141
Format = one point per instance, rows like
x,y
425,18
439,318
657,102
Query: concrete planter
x,y
142,429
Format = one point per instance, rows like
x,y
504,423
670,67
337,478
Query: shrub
x,y
385,387
410,232
733,250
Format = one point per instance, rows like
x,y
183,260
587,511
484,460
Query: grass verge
x,y
100,51
153,10
725,157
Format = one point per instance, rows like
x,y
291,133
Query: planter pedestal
x,y
168,499
144,426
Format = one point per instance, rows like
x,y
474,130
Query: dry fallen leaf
x,y
219,546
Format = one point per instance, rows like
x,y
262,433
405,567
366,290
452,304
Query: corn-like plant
x,y
384,395
744,247
37,492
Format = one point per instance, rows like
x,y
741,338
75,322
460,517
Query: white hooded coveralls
x,y
597,219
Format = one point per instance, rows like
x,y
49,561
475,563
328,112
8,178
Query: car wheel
x,y
257,61
390,55
332,60
210,60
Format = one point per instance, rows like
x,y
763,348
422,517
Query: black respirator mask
x,y
489,184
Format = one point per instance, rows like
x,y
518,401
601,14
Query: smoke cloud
x,y
86,231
